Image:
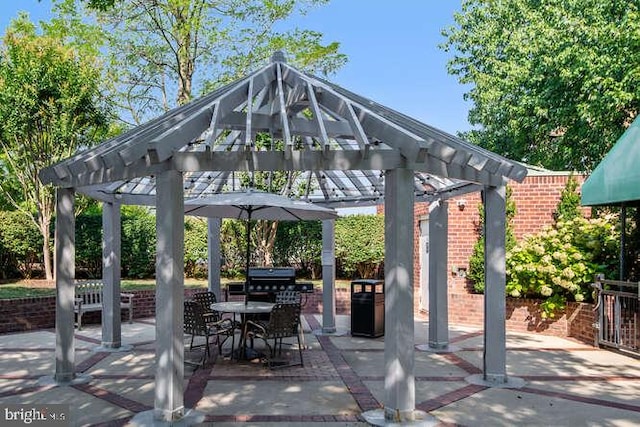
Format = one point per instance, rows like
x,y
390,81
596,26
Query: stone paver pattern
x,y
567,383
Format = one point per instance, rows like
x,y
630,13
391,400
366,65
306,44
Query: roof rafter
x,y
337,146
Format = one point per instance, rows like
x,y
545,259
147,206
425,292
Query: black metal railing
x,y
617,315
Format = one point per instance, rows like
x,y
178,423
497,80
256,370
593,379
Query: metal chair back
x,y
284,322
205,299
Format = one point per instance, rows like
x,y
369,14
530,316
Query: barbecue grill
x,y
263,283
272,280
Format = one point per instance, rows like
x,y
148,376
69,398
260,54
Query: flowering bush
x,y
560,262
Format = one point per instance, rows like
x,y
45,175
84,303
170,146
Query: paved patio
x,y
567,383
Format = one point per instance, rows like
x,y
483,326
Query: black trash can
x,y
367,308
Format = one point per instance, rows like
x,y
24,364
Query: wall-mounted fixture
x,y
459,271
461,203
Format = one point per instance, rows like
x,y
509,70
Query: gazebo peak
x,y
278,56
333,142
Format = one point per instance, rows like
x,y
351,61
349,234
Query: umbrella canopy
x,y
252,204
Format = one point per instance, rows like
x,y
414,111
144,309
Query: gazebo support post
x,y
438,300
328,277
213,243
399,380
169,386
495,348
65,271
111,242
495,304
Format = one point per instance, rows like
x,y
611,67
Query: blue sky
x,y
392,47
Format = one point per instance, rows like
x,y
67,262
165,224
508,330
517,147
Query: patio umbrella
x,y
254,204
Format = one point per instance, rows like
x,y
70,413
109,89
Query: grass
x,y
35,289
22,291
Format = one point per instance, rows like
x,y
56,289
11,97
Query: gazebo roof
x,y
616,179
336,144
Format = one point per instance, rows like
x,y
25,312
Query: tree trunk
x,y
46,252
266,239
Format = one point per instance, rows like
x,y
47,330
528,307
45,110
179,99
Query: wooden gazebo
x,y
340,150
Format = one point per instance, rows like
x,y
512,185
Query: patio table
x,y
244,309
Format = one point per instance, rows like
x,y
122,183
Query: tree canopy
x,y
161,53
553,83
49,108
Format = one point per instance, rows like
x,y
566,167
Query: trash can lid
x,y
367,282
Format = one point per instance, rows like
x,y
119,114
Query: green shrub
x,y
299,244
569,204
233,237
21,244
360,245
559,263
138,242
476,262
89,244
195,248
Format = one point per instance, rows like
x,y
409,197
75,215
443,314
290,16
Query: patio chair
x,y
195,324
283,323
212,317
292,297
206,299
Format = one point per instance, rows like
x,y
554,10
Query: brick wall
x,y
536,200
523,315
464,309
27,314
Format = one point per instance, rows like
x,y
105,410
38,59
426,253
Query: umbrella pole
x,y
248,255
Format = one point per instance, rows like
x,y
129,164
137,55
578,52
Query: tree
x,y
299,244
553,83
569,203
49,108
161,52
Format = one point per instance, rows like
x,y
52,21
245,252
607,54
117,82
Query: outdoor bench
x,y
88,297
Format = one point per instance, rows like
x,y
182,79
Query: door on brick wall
x,y
424,265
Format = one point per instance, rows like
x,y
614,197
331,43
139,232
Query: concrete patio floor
x,y
567,383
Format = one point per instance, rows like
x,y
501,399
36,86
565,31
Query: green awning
x,y
616,179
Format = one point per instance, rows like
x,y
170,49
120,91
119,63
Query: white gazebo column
x,y
438,279
65,270
328,277
495,347
438,275
169,387
214,255
399,381
111,251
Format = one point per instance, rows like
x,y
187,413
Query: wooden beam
x,y
359,134
317,117
248,133
286,134
163,146
277,160
213,125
